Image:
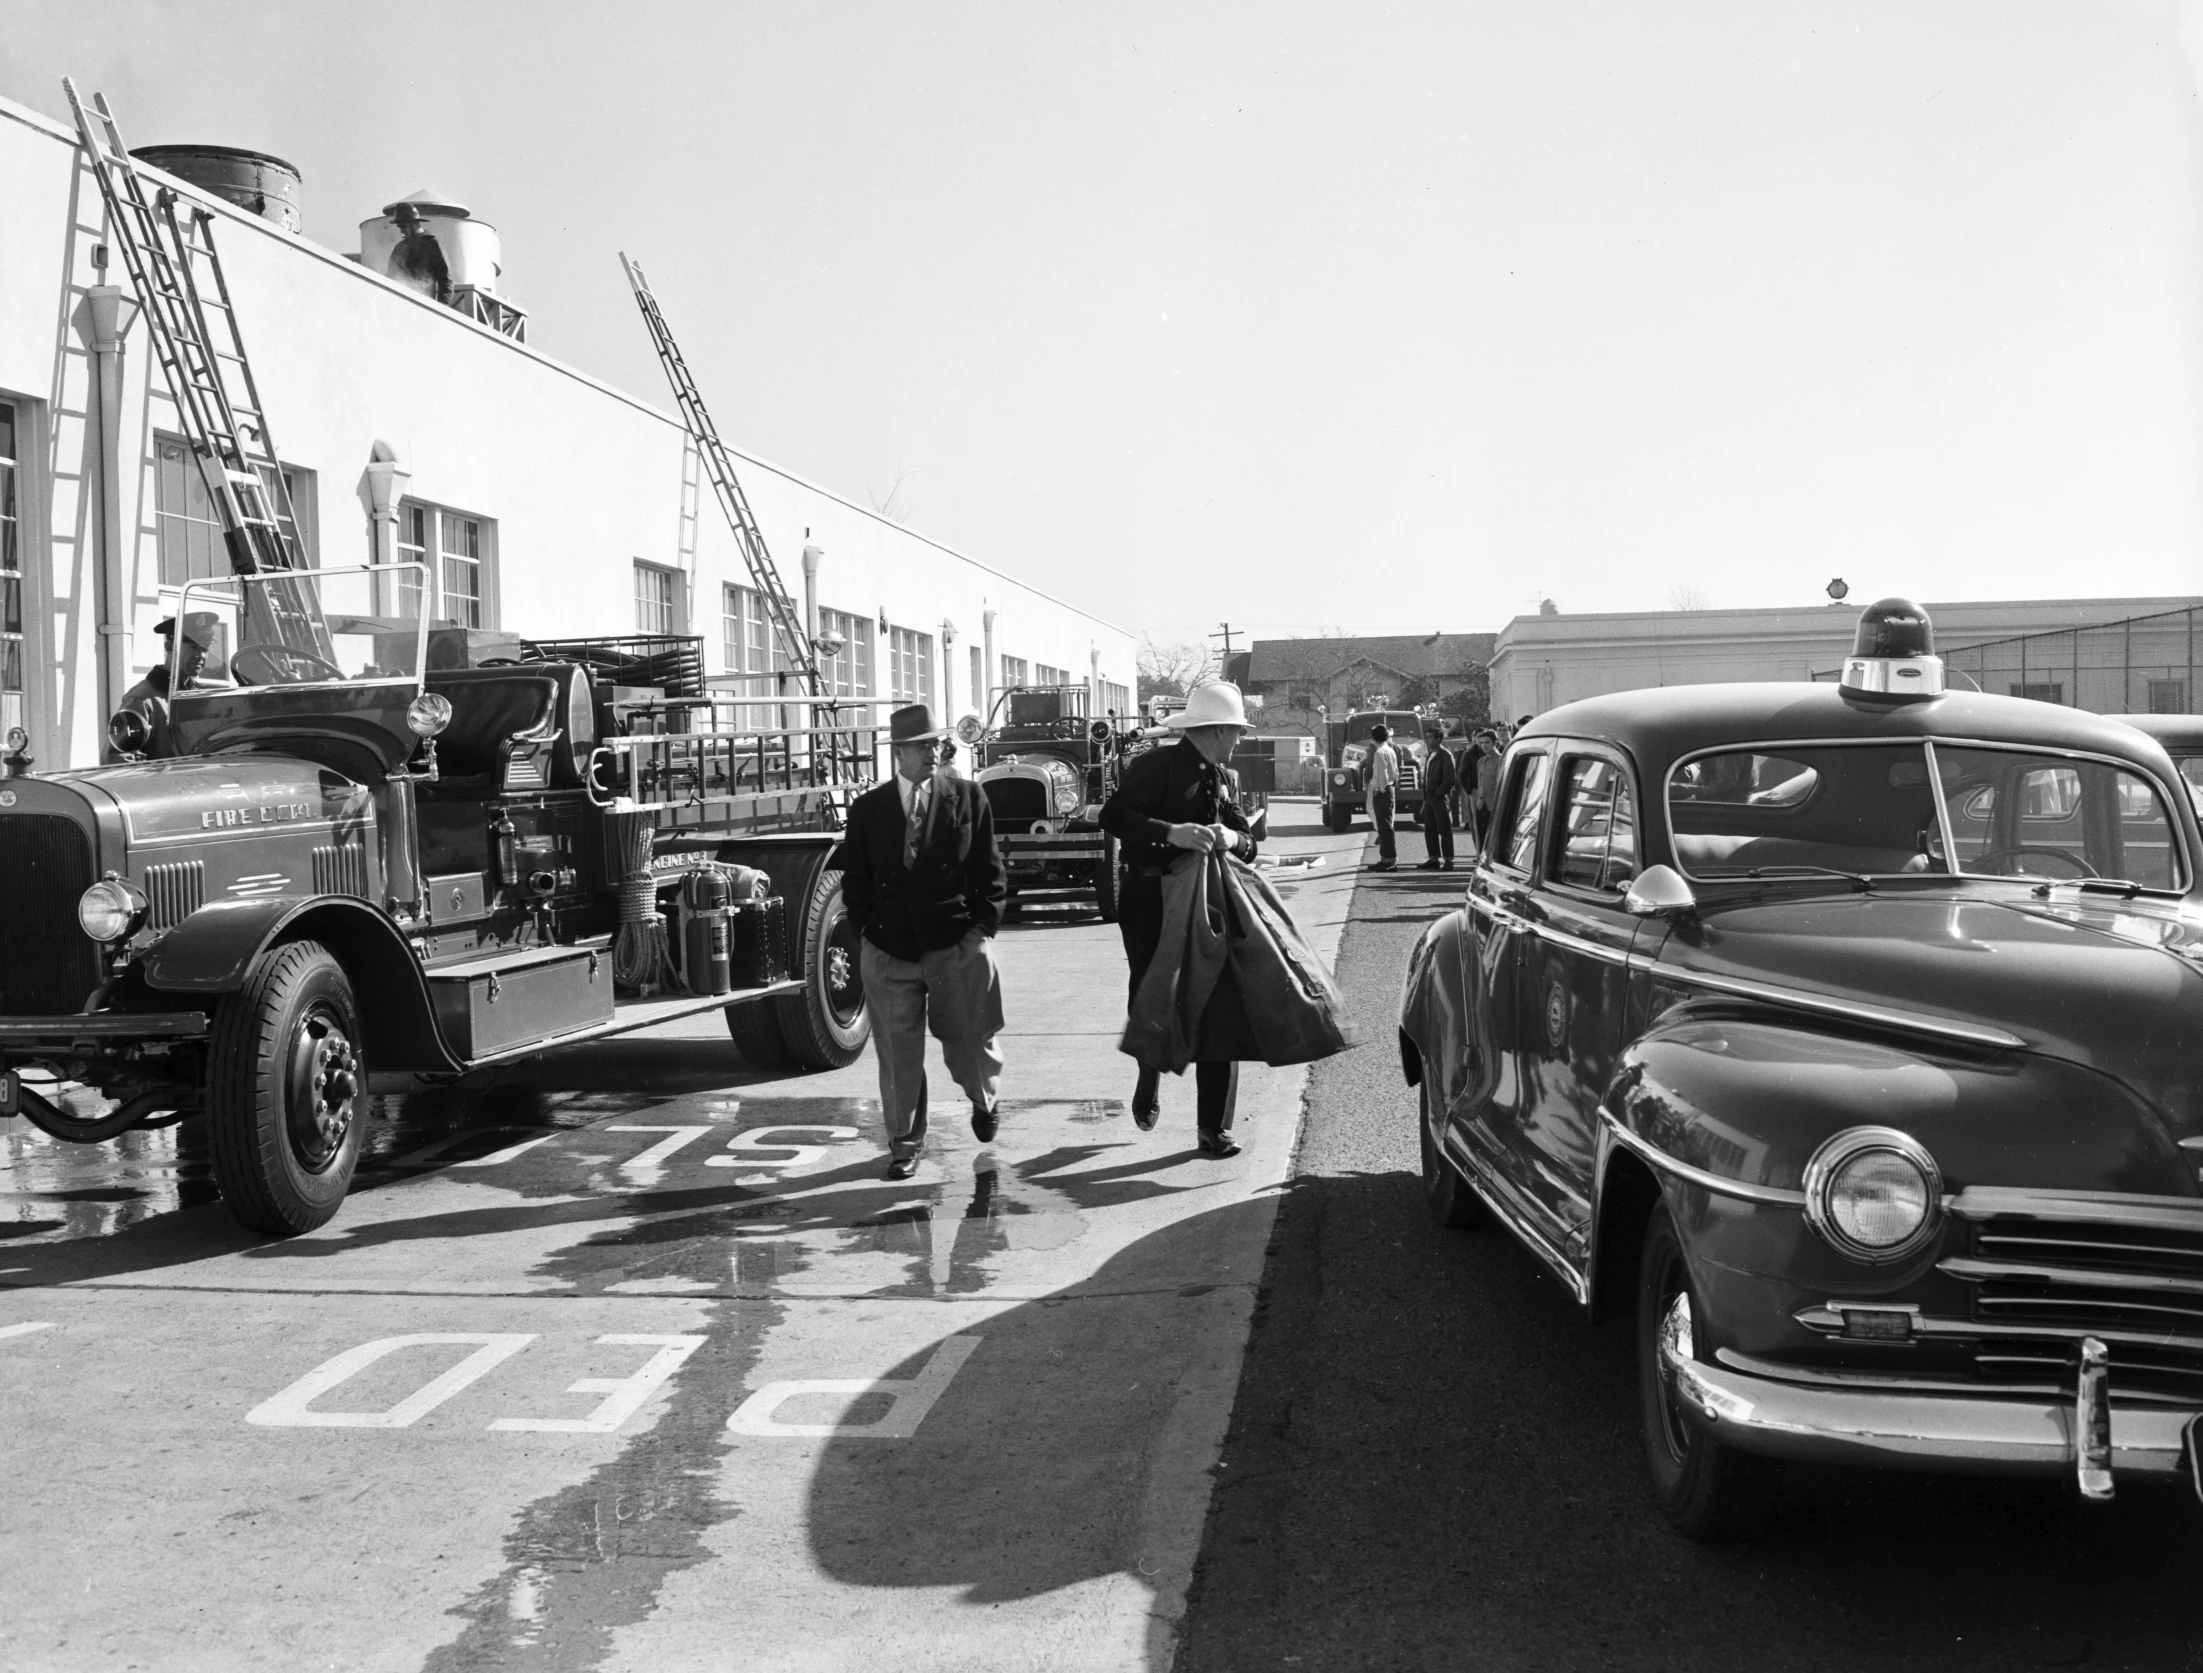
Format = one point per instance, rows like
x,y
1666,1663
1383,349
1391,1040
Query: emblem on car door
x,y
1556,1014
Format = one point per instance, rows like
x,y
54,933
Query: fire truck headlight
x,y
428,714
107,910
18,740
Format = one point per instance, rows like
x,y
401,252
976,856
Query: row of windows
x,y
11,579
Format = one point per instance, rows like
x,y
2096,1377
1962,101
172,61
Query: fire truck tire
x,y
287,1091
826,1025
1109,880
755,1030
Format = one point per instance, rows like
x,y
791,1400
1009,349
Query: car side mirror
x,y
1660,892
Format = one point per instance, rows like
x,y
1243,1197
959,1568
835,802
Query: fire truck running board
x,y
628,1015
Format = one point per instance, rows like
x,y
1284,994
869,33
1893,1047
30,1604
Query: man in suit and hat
x,y
149,697
1184,798
920,875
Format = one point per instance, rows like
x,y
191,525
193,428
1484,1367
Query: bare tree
x,y
1688,595
893,505
1172,670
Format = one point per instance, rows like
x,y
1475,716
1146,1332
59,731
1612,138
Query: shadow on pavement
x,y
1434,1463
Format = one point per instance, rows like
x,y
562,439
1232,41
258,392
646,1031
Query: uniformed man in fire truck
x,y
149,697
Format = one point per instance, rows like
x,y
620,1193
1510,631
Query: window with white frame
x,y
1116,699
750,644
910,665
460,552
849,670
187,529
1016,671
11,575
657,598
1045,675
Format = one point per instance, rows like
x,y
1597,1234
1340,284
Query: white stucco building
x,y
544,501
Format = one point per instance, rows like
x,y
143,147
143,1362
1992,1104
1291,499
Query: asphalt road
x,y
1433,1462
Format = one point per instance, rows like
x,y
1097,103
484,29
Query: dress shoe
x,y
1445,865
1428,865
985,1118
901,1167
1218,1145
1383,865
1147,1101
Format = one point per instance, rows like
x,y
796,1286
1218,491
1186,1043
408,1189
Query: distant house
x,y
1303,681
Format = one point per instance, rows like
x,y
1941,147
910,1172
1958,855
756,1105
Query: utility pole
x,y
1226,636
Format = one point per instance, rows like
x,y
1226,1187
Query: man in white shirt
x,y
1384,781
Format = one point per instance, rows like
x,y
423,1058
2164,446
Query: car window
x,y
1747,779
2191,774
1595,842
1523,802
2017,814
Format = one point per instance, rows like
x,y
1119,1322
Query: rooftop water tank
x,y
471,251
254,181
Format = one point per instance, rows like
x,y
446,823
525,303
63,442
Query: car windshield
x,y
304,627
1877,810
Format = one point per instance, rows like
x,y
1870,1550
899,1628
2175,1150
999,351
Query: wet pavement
x,y
637,1361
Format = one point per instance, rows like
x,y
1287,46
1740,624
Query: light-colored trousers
x,y
957,993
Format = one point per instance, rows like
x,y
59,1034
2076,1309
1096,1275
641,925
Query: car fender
x,y
1437,1008
211,952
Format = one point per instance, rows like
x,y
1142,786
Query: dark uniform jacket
x,y
150,698
958,884
1171,785
1441,775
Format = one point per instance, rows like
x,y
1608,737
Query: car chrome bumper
x,y
2001,1435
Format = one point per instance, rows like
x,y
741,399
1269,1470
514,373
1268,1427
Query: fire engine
x,y
1046,766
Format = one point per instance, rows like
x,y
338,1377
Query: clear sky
x,y
1362,316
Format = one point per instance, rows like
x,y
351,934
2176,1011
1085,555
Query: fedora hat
x,y
913,725
1214,704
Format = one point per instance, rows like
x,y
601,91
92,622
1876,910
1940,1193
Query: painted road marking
x,y
624,1395
743,1152
909,1399
508,1153
7,1330
289,1410
645,1166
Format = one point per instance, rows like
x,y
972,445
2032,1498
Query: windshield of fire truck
x,y
302,627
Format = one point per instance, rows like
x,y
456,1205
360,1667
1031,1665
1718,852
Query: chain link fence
x,y
2137,665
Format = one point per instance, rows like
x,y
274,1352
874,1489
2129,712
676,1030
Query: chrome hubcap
x,y
325,1088
1674,1346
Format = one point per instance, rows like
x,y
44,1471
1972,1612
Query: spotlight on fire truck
x,y
970,730
128,730
428,714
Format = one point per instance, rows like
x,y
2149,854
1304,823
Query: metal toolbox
x,y
490,1005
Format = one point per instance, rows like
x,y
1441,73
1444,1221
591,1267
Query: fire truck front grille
x,y
48,966
1017,802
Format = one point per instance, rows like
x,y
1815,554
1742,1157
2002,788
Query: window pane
x,y
1593,803
187,535
1866,808
2019,815
1529,801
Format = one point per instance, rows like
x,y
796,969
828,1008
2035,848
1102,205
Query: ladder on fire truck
x,y
168,245
787,619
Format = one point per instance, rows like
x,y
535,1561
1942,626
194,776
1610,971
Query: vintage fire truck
x,y
356,867
1345,780
1046,766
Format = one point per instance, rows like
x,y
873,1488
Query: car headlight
x,y
1874,1193
108,908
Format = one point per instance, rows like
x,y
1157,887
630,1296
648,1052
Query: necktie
x,y
916,826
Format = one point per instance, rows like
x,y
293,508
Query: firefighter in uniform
x,y
149,697
1182,797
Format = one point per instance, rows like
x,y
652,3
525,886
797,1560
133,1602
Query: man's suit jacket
x,y
958,884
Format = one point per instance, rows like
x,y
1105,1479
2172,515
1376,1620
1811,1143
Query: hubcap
x,y
844,992
324,1088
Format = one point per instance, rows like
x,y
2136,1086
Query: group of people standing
x,y
1458,793
924,880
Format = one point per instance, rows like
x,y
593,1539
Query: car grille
x,y
48,966
1411,775
1017,802
2137,1283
